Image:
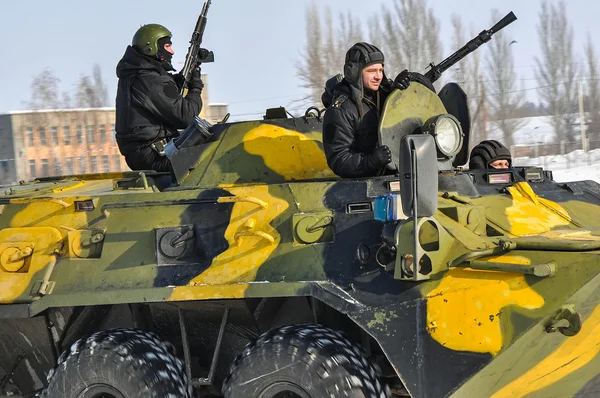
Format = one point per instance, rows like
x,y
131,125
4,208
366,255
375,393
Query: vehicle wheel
x,y
118,363
303,361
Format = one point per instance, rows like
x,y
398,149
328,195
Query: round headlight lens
x,y
448,135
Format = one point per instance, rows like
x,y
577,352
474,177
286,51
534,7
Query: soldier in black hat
x,y
354,104
490,154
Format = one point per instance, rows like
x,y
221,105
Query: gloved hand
x,y
379,157
402,81
419,78
196,82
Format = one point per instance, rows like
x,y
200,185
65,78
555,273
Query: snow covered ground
x,y
574,166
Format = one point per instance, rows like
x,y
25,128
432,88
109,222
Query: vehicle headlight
x,y
447,133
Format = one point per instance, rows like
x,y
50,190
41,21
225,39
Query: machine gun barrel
x,y
436,70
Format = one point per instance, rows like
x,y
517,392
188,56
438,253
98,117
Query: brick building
x,y
52,142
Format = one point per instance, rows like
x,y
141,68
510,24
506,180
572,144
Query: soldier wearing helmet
x,y
354,104
490,154
149,107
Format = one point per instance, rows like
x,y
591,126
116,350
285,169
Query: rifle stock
x,y
436,70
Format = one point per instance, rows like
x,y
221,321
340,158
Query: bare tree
x,y
556,69
376,33
325,49
91,92
466,73
44,91
45,94
85,95
593,93
100,88
411,37
505,99
311,67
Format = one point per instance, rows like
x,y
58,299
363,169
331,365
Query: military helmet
x,y
145,39
487,152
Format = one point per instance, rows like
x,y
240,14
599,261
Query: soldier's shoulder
x,y
339,100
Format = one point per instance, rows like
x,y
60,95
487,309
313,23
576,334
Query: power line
x,y
262,99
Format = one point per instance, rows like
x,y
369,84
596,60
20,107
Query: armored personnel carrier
x,y
251,270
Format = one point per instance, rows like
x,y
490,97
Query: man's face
x,y
372,75
499,164
169,48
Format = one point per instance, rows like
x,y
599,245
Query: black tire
x,y
307,361
120,363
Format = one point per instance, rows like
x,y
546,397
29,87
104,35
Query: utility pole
x,y
484,110
581,116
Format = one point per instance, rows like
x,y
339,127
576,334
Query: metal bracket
x,y
565,313
177,246
202,381
7,377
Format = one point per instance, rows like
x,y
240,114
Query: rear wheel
x,y
118,363
303,361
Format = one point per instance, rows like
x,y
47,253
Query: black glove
x,y
196,82
379,157
402,81
420,78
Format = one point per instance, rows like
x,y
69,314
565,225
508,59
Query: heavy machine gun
x,y
436,70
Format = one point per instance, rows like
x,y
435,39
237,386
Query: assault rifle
x,y
196,55
436,70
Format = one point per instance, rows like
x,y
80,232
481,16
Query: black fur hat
x,y
487,152
359,56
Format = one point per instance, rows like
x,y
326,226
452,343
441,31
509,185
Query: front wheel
x,y
118,363
303,361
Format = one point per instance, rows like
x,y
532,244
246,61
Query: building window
x,y
57,168
5,166
67,133
54,134
113,133
79,135
89,129
44,167
32,168
94,168
105,163
102,133
82,165
29,135
117,162
69,166
43,136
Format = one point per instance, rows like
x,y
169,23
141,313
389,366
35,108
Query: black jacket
x,y
348,138
148,104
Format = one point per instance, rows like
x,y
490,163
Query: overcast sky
x,y
256,43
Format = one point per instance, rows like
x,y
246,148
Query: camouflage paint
x,y
464,313
570,356
293,155
251,237
530,214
